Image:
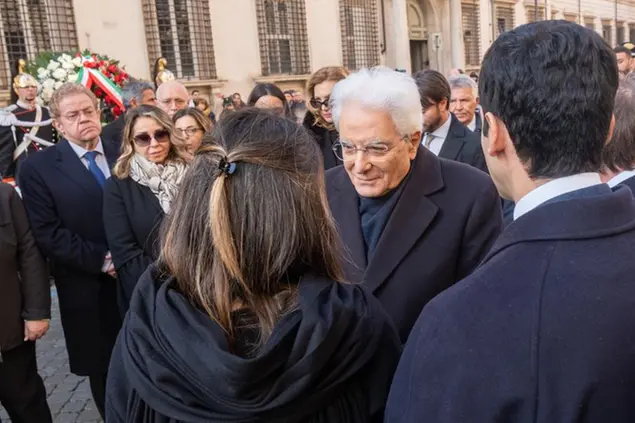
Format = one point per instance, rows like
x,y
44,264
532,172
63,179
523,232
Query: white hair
x,y
463,81
383,89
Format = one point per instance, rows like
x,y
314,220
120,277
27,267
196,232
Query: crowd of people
x,y
398,248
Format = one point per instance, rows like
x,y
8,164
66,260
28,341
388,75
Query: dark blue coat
x,y
64,205
445,220
543,331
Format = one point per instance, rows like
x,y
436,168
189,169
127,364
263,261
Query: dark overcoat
x,y
64,203
543,331
463,145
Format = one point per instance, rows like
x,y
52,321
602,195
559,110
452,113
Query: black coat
x,y
463,145
331,360
445,221
325,138
24,286
542,332
132,216
630,182
64,203
113,132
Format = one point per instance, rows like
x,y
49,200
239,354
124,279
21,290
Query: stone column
x,y
456,29
401,37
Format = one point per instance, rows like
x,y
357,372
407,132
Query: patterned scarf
x,y
163,180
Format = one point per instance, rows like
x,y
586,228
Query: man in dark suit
x,y
544,330
412,224
62,189
443,133
619,154
464,102
133,94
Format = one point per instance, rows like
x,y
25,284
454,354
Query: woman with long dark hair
x,y
269,96
246,316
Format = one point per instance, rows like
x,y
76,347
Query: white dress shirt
x,y
439,136
620,177
472,125
553,189
100,159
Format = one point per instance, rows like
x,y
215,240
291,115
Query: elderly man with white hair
x,y
412,224
464,102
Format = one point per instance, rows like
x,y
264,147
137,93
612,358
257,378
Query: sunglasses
x,y
317,104
144,139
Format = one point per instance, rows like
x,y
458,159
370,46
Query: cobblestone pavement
x,y
69,396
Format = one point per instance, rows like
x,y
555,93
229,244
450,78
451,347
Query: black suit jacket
x,y
113,132
463,145
64,203
132,216
630,182
543,331
443,224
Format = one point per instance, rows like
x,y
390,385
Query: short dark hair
x,y
619,153
553,84
433,87
622,49
195,91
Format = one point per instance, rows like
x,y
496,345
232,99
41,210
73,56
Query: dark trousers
x,y
98,389
22,391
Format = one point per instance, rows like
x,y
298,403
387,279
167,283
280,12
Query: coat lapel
x,y
409,220
345,209
454,141
72,166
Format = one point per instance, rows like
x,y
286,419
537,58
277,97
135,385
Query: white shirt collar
x,y
81,151
443,130
553,189
25,105
472,125
620,177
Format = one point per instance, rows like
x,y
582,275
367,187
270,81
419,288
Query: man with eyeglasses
x,y
412,224
172,96
62,188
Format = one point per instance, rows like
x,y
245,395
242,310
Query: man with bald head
x,y
172,96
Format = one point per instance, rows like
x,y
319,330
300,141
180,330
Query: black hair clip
x,y
228,168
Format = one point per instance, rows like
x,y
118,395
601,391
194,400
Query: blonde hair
x,y
67,90
329,73
177,151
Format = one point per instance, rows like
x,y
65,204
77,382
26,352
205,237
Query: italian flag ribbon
x,y
88,76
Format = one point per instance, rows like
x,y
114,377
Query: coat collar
x,y
455,140
399,235
71,165
596,216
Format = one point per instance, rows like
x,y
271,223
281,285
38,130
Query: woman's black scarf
x,y
330,360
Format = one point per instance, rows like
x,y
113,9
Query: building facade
x,y
226,46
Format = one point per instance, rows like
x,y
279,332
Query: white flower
x,y
72,77
47,93
53,65
59,74
66,58
68,65
48,84
77,62
58,84
43,74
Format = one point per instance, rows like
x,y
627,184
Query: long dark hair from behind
x,y
253,219
265,89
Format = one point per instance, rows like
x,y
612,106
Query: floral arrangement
x,y
101,74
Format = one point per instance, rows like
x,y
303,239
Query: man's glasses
x,y
317,104
187,131
347,152
144,139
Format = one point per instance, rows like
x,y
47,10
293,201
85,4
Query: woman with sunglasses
x,y
144,182
191,125
319,121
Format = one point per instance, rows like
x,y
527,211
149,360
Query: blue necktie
x,y
91,156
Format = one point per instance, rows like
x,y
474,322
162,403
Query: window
x,y
571,17
589,22
504,17
619,33
282,35
607,32
631,33
180,31
29,27
535,14
360,33
471,33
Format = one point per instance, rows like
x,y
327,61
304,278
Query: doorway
x,y
419,55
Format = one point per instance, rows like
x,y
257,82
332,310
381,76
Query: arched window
x,y
29,27
282,34
181,31
360,33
